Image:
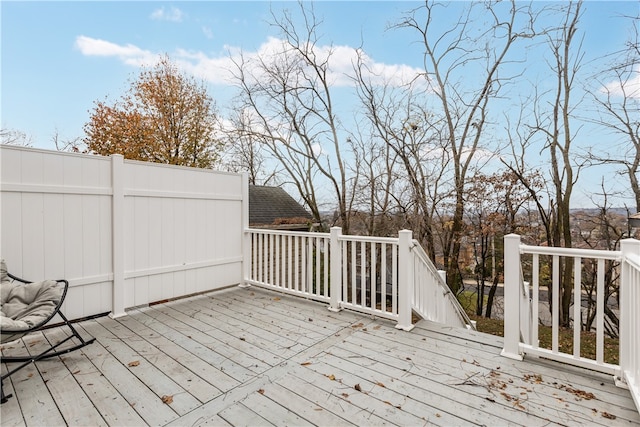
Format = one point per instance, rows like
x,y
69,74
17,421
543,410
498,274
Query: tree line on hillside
x,y
420,155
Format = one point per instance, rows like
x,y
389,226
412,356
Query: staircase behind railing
x,y
382,276
433,299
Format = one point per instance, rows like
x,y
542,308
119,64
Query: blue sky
x,y
60,57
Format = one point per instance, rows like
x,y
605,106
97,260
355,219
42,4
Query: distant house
x,y
274,208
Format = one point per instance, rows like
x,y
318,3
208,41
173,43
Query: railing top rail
x,y
571,252
633,260
372,239
286,232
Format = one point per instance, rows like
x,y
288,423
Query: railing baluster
x,y
374,279
327,248
394,279
383,277
354,290
556,302
577,305
277,261
260,257
536,299
600,312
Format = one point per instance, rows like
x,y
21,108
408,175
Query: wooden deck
x,y
253,357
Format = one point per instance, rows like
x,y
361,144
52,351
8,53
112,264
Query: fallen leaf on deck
x,y
579,393
376,327
317,409
305,363
357,387
609,416
243,339
359,325
167,399
276,299
75,372
345,395
134,363
379,384
331,377
261,391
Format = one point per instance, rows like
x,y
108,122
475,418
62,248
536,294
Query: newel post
x,y
118,303
405,280
335,278
511,297
246,234
629,329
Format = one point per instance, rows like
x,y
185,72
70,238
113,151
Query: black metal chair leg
x,y
3,398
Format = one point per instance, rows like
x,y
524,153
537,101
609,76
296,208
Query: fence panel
x,y
123,233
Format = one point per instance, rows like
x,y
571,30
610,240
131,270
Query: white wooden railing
x,y
433,299
629,332
522,305
383,276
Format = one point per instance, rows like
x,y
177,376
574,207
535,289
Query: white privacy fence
x,y
522,304
381,276
123,233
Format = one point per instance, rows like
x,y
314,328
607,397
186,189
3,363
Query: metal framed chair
x,y
27,307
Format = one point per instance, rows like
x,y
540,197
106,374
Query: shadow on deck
x,y
255,357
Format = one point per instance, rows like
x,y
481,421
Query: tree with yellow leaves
x,y
165,117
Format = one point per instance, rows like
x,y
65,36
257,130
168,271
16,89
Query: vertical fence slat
x,y
117,210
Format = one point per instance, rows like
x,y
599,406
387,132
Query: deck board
x,y
256,357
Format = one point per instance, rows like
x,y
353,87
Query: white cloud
x,y
217,69
629,88
172,14
129,54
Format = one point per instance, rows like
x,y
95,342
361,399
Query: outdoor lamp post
x,y
634,220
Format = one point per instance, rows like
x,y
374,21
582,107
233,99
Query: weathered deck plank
x,y
255,357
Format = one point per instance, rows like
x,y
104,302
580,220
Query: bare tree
x,y
289,97
15,137
400,119
618,96
495,204
465,69
244,154
550,124
375,165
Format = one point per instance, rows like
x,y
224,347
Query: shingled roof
x,y
273,207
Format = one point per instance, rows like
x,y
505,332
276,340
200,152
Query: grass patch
x,y
469,301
